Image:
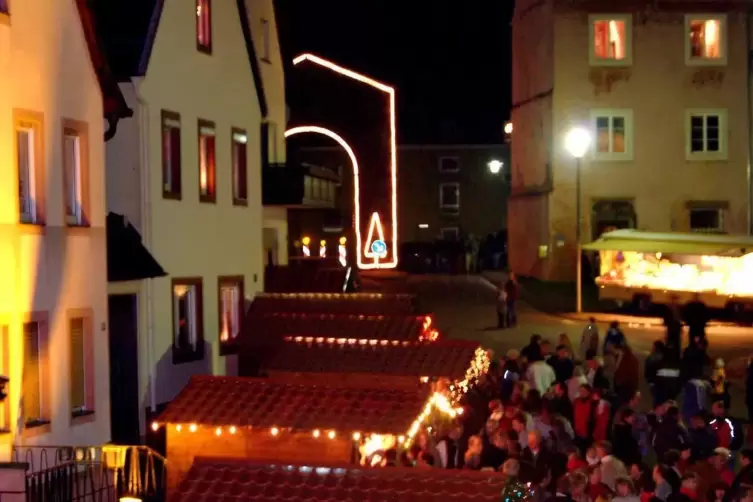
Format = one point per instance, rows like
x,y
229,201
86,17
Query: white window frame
x,y
442,203
454,230
29,216
597,61
611,113
193,316
721,219
448,157
266,40
74,189
234,290
723,33
723,135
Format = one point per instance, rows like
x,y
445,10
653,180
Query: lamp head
x,y
495,166
577,142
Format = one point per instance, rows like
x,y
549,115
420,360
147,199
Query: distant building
x,y
662,88
443,191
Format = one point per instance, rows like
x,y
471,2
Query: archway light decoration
x,y
369,255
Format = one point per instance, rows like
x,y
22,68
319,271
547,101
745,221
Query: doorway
x,y
124,369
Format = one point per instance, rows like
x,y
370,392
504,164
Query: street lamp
x,y
577,142
495,166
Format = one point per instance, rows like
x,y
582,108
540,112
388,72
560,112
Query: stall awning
x,y
672,243
127,258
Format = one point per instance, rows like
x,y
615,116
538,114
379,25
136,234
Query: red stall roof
x,y
216,480
335,303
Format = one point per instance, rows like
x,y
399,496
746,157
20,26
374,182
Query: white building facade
x,y
186,172
53,304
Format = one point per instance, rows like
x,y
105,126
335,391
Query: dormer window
x,y
203,26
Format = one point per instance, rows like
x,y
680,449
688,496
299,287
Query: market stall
x,y
664,267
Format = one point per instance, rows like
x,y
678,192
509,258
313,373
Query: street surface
x,y
464,308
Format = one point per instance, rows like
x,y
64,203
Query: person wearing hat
x,y
721,462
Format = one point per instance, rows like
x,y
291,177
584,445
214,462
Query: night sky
x,y
450,60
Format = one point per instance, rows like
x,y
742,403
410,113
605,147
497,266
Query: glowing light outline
x,y
375,223
393,154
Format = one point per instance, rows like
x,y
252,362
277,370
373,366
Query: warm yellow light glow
x,y
356,436
508,128
342,254
375,443
306,241
316,433
577,142
375,263
233,430
437,401
495,166
721,275
178,427
375,233
275,431
192,427
129,499
155,426
343,240
479,366
218,431
331,434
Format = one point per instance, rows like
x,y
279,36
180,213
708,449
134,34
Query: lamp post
x,y
577,142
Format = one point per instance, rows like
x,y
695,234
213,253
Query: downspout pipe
x,y
749,102
146,235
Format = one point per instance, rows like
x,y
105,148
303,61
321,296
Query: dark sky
x,y
449,60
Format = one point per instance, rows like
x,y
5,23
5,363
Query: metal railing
x,y
92,473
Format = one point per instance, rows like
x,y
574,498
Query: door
x,y
124,369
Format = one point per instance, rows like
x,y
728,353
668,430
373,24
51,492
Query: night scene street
x,y
376,251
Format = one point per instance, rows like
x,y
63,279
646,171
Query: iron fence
x,y
92,473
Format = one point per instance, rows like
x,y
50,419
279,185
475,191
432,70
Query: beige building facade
x,y
661,87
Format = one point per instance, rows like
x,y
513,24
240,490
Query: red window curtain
x,y
211,170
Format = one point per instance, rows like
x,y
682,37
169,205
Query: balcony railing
x,y
92,473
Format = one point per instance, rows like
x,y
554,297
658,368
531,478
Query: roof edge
x,y
252,59
151,35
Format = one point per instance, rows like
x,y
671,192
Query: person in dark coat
x,y
697,316
532,351
651,367
562,364
673,326
512,290
702,438
695,360
669,434
624,444
627,374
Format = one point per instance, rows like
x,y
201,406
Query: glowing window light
x,y
375,264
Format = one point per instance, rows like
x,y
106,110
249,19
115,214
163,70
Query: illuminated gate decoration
x,y
379,249
322,248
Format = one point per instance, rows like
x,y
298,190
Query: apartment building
x,y
661,87
185,171
54,96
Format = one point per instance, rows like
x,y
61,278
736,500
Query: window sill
x,y
208,199
82,229
706,157
37,428
4,430
182,356
33,228
82,417
240,202
171,195
610,63
695,63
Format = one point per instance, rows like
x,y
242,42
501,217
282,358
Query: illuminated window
x,y
610,40
75,172
231,307
705,39
207,162
265,42
188,320
240,167
171,165
204,26
81,366
449,164
612,134
706,219
29,166
449,196
706,134
33,375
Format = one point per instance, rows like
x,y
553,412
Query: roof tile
x,y
225,401
449,359
244,480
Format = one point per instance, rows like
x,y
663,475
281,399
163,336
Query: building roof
x,y
254,402
128,30
334,303
672,243
113,101
450,359
212,479
261,326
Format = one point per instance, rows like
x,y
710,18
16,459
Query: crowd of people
x,y
567,423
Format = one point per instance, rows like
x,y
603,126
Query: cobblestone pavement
x,y
464,307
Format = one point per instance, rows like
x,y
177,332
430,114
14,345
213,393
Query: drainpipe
x,y
749,102
146,235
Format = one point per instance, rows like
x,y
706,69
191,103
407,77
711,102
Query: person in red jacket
x,y
583,408
601,415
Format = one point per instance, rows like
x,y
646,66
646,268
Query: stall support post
x,y
579,283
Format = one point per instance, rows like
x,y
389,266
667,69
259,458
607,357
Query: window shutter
x,y
175,164
78,365
32,397
211,165
242,171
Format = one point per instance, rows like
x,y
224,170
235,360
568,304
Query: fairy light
x,y
275,431
375,263
428,334
331,434
322,248
342,252
305,249
192,427
178,427
375,227
479,366
233,430
437,401
218,431
155,426
356,436
316,433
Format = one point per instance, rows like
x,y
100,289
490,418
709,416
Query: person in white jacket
x,y
541,376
